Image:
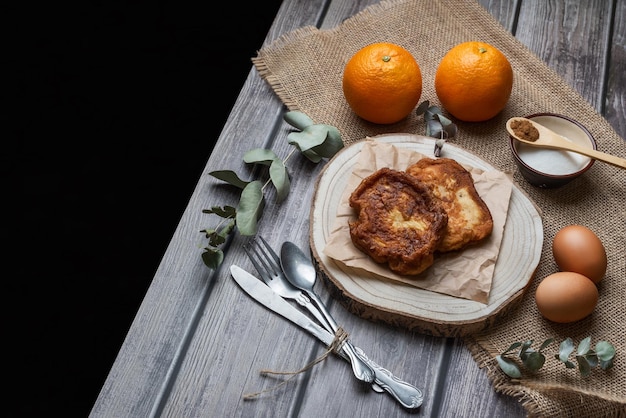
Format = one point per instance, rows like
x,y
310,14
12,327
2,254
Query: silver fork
x,y
267,264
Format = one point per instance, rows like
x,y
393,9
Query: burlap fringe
x,y
484,354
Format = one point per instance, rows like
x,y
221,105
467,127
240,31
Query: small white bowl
x,y
548,168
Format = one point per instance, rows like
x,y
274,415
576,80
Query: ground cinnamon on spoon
x,y
525,130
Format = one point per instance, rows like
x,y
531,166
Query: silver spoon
x,y
302,274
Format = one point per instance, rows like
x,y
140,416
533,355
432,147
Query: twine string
x,y
340,337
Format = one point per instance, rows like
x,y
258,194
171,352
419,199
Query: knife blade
x,y
271,300
408,395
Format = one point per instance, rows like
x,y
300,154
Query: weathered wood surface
x,y
198,342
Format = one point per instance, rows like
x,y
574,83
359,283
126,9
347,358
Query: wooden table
x,y
198,341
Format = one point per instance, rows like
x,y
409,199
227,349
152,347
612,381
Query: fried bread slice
x,y
469,218
399,222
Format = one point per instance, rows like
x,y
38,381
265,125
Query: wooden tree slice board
x,y
407,306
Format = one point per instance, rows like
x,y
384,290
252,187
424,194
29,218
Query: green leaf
x,y
605,352
508,367
280,179
606,364
260,156
584,346
534,361
250,207
229,177
591,358
298,119
310,137
445,121
331,145
451,130
225,212
212,258
583,366
546,343
312,156
526,346
435,110
422,107
512,347
565,349
433,128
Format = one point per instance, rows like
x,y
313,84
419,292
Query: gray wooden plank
x,y
504,12
571,38
615,103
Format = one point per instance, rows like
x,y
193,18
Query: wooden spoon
x,y
550,139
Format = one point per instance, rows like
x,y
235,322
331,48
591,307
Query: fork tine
x,y
256,263
271,256
261,261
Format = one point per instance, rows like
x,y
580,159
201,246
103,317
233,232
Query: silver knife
x,y
408,395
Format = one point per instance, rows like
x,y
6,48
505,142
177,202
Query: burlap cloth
x,y
305,68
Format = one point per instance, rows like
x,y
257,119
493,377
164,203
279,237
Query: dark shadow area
x,y
113,110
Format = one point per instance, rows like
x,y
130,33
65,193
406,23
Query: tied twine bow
x,y
340,337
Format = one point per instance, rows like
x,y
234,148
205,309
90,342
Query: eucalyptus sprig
x,y
314,141
437,125
533,360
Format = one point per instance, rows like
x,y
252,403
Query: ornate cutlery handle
x,y
405,393
360,367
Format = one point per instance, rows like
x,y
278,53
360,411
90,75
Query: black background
x,y
111,110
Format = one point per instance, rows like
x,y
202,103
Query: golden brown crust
x,y
398,222
469,218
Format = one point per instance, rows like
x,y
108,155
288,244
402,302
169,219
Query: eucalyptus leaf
x,y
565,349
422,107
249,209
605,350
569,364
546,343
444,120
312,156
534,361
526,345
298,119
434,128
435,110
280,179
229,177
592,359
260,156
331,145
606,364
583,366
310,137
212,258
584,346
513,347
509,367
225,212
451,130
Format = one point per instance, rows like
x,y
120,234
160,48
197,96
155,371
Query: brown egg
x,y
566,297
576,248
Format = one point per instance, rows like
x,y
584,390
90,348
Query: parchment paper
x,y
465,273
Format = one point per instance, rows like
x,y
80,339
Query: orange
x,y
382,83
473,81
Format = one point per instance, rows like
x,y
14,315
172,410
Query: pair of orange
x,y
382,82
